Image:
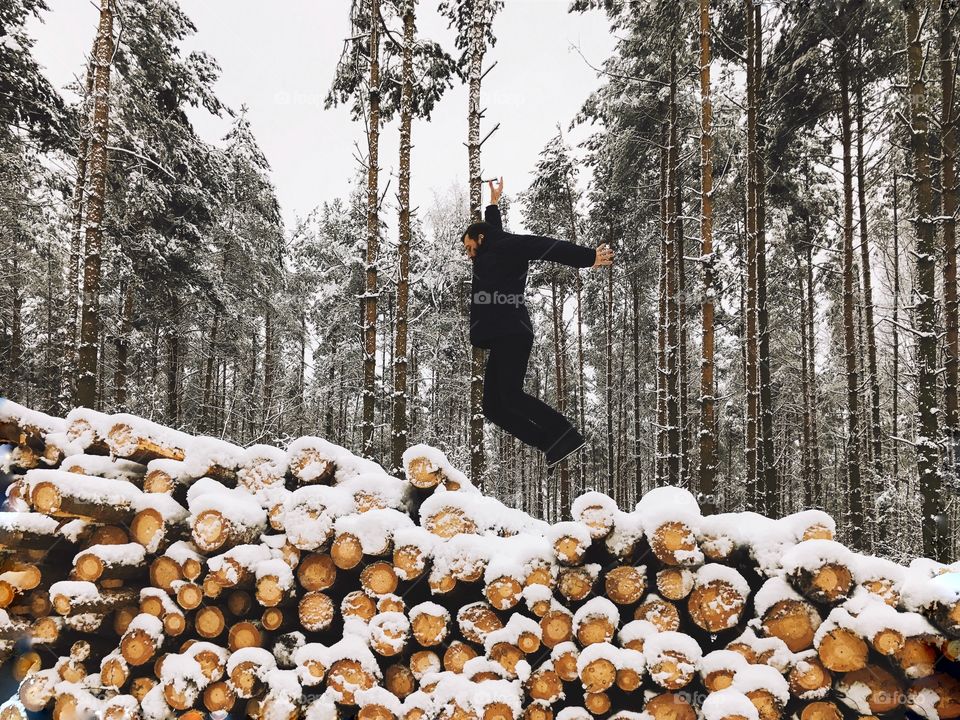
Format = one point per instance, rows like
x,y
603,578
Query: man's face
x,y
471,245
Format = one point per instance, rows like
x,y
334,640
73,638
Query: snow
x,y
122,554
598,651
104,466
247,556
510,633
771,592
627,530
22,416
75,590
373,528
430,608
490,515
594,507
727,703
309,514
181,551
278,569
260,465
657,646
516,556
390,491
379,696
353,647
203,453
668,504
86,488
637,630
438,461
570,529
810,555
260,658
598,607
721,660
141,428
723,573
39,523
346,464
390,629
762,677
236,505
86,426
149,624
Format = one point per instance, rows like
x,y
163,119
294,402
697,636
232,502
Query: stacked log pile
x,y
149,574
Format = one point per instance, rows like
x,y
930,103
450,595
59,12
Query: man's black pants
x,y
508,406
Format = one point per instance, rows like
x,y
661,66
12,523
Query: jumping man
x,y
499,322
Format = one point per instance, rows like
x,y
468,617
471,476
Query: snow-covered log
x,y
303,581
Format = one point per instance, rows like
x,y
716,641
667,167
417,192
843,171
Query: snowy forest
x,y
778,179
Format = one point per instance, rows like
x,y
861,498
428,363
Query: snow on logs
x,y
157,574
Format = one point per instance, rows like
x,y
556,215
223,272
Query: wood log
x,y
625,584
215,529
935,696
316,611
63,494
143,640
793,621
674,543
664,615
871,690
140,440
918,656
101,562
74,598
842,650
809,679
718,598
670,706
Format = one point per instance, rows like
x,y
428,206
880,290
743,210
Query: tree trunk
x,y
556,304
399,436
708,438
208,380
767,456
637,398
750,369
269,367
876,442
948,130
856,519
77,208
96,200
674,448
123,347
683,380
662,423
895,334
936,538
475,77
373,236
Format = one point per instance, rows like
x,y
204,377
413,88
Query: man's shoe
x,y
566,447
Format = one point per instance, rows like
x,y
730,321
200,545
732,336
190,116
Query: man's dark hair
x,y
474,230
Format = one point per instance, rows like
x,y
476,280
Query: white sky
x,y
279,59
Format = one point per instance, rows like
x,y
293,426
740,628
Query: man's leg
x,y
517,408
500,374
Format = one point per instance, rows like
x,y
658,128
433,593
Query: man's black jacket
x,y
500,277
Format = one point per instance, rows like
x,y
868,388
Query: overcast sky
x,y
278,58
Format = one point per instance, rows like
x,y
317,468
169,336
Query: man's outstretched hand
x,y
604,256
495,191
